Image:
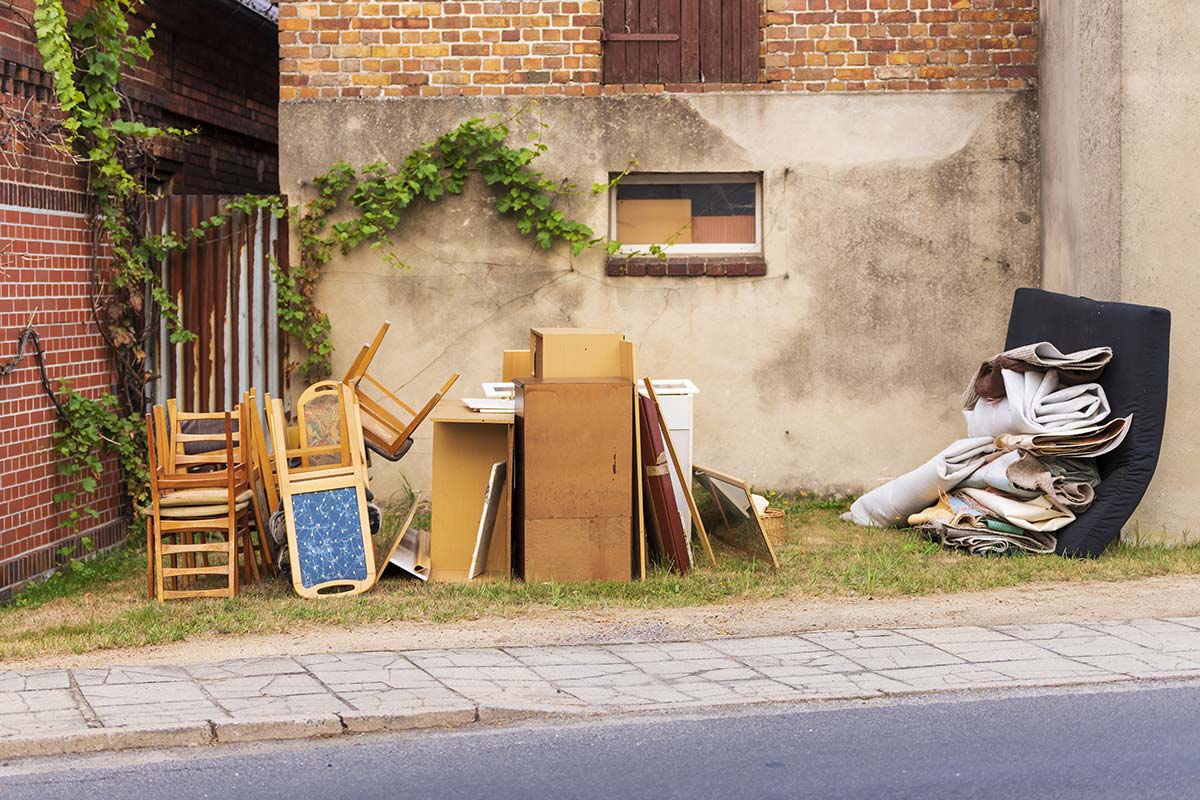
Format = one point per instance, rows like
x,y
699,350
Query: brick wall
x,y
214,69
339,48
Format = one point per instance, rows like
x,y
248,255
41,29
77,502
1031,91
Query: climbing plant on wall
x,y
87,59
379,194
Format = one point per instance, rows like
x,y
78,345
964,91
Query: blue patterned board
x,y
329,540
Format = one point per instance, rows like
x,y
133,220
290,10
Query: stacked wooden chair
x,y
205,523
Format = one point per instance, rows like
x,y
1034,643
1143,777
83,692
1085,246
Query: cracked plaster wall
x,y
895,230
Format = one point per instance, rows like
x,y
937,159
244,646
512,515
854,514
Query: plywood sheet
x,y
575,550
654,221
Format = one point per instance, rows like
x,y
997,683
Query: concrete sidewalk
x,y
45,712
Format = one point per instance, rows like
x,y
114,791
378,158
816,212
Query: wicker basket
x,y
774,528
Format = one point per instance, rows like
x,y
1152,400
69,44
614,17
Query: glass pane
x,y
686,213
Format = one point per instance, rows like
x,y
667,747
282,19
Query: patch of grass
x,y
823,557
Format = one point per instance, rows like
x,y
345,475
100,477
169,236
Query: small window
x,y
704,214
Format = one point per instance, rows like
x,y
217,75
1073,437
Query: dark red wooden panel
x,y
710,41
730,41
689,41
648,60
669,52
614,51
748,49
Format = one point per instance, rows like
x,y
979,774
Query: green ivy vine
x,y
87,58
380,193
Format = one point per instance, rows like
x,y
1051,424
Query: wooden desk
x,y
465,446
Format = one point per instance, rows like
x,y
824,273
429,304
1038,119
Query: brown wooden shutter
x,y
680,41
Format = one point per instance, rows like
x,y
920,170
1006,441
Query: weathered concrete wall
x,y
1121,212
1160,229
896,228
1080,106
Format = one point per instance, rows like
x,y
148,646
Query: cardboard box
x,y
576,353
574,485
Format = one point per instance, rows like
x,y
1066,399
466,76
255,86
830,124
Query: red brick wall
x,y
340,48
215,69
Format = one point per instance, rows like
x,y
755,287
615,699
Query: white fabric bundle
x,y
890,505
1037,403
994,475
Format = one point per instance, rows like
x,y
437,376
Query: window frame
x,y
690,249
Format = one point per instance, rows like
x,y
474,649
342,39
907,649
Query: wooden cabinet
x,y
574,487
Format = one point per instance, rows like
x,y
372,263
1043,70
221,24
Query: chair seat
x,y
201,497
201,511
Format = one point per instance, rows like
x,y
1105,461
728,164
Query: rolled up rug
x,y
994,475
890,505
988,542
1027,473
1037,402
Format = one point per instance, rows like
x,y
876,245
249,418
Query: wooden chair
x,y
388,422
263,481
322,486
187,509
194,441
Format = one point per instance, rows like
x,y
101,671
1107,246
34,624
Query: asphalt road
x,y
1134,743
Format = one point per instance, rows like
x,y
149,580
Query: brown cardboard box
x,y
574,482
576,353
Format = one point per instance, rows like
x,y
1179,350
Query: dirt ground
x,y
1039,602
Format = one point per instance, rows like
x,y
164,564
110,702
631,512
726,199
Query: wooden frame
x,y
309,479
386,431
707,476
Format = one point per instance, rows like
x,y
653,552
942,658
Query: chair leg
x,y
150,558
160,563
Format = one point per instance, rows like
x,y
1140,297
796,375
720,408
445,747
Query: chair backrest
x,y
199,439
1135,382
321,415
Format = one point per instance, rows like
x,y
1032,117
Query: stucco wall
x,y
1121,211
896,228
1160,230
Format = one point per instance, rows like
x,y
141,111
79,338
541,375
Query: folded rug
x,y
1037,514
890,505
1079,443
1037,402
994,475
1078,367
988,542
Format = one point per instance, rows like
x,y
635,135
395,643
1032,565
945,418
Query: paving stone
x,y
563,656
171,713
286,685
1191,622
34,679
916,655
962,634
666,651
841,641
1097,644
244,668
26,723
802,663
575,672
281,707
764,646
1045,630
953,676
1006,649
399,701
1147,665
675,667
119,676
462,658
1050,668
36,700
103,695
1153,634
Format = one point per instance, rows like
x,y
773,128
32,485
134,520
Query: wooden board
x,y
516,364
492,497
575,353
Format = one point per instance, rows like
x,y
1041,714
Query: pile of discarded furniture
x,y
1045,435
569,469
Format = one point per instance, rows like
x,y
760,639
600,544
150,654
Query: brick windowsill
x,y
688,267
